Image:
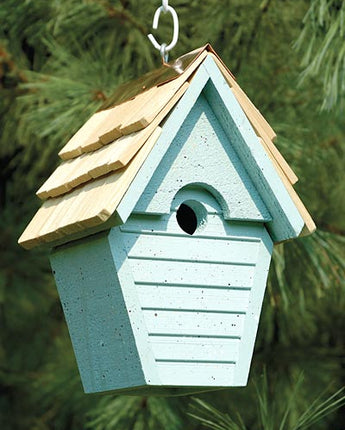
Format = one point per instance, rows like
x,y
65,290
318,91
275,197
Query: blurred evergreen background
x,y
59,60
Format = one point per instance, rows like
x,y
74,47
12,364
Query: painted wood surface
x,y
256,298
209,374
194,349
287,221
260,125
96,315
182,248
169,131
158,318
202,153
133,307
202,273
195,292
254,114
193,297
193,323
166,226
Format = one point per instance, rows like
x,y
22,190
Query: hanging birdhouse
x,y
162,218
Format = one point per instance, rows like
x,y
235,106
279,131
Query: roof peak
x,y
157,77
105,155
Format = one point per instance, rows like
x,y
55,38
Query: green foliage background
x,y
59,60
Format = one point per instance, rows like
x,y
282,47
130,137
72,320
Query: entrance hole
x,y
191,216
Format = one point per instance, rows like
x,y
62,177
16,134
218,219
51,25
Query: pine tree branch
x,y
122,14
329,228
264,7
6,173
8,66
124,3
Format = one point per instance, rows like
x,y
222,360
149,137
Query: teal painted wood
x,y
191,192
193,299
195,349
96,315
147,305
215,375
201,273
133,307
182,248
202,154
105,330
208,81
166,226
254,310
193,322
287,222
195,292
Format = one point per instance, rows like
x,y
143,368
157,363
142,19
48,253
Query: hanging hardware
x,y
165,5
164,48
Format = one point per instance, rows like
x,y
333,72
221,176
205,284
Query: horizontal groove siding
x,y
194,293
190,248
216,228
195,349
224,300
196,374
203,323
203,274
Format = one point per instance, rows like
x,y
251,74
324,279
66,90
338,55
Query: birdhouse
x,y
162,218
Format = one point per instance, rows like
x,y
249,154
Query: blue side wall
x,y
96,315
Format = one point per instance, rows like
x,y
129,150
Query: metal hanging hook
x,y
164,48
165,4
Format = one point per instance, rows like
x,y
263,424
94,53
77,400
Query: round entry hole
x,y
191,216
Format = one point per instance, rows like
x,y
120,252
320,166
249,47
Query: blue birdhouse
x,y
162,218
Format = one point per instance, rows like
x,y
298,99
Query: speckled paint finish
x,y
200,295
151,309
96,314
202,154
154,310
286,222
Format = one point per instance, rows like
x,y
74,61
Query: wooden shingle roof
x,y
103,157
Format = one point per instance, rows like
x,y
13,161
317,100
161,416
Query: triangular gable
x,y
286,220
202,155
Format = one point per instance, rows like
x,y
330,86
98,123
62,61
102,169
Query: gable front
x,y
209,85
201,154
